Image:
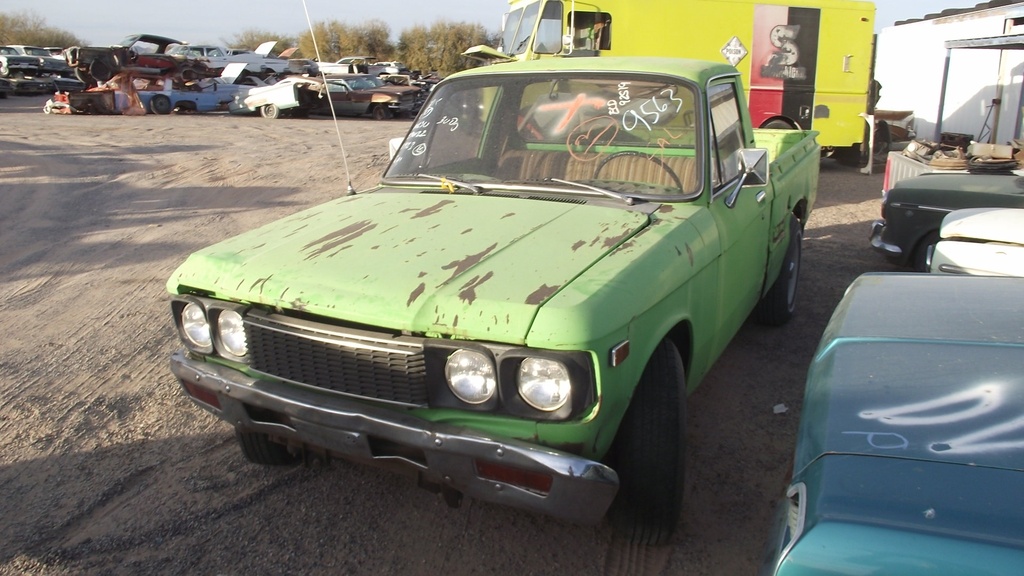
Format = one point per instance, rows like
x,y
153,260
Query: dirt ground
x,y
106,468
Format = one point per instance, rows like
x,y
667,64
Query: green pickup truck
x,y
556,255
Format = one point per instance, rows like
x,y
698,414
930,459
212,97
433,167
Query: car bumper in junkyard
x,y
890,250
453,457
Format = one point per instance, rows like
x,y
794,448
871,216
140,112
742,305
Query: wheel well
x,y
780,122
682,336
800,211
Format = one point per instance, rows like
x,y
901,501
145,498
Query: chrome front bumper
x,y
890,250
581,489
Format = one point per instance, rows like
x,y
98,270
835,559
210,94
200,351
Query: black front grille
x,y
361,363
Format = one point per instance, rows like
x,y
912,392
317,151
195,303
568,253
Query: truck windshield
x,y
520,23
630,134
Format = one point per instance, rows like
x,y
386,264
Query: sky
x,y
108,21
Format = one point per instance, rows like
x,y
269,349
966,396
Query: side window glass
x,y
593,30
549,31
727,130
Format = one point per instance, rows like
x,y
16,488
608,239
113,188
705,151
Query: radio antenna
x,y
330,104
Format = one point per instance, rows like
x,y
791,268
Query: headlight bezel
x,y
507,361
212,310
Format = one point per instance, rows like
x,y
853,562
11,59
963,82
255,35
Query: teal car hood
x,y
898,376
467,266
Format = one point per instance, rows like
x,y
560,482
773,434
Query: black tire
x,y
648,452
101,70
777,306
779,124
160,104
923,253
380,112
883,139
270,112
850,156
84,76
258,449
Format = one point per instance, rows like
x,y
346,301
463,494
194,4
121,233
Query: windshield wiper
x,y
450,184
629,200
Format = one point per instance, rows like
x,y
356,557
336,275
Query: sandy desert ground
x,y
106,468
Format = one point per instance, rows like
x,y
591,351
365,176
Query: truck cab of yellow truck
x,y
806,63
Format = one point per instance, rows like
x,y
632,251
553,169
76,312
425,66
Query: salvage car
x,y
15,64
217,57
909,453
556,255
365,94
294,96
981,242
138,53
913,209
49,64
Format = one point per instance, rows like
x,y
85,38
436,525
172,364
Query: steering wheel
x,y
668,170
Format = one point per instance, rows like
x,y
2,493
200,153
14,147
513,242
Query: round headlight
x,y
544,384
471,376
194,325
232,333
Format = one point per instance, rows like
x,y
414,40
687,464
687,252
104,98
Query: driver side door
x,y
742,213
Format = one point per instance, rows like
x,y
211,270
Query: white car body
x,y
218,57
981,242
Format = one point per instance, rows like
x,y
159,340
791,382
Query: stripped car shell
x,y
908,457
515,305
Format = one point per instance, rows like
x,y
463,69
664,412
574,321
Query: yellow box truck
x,y
806,63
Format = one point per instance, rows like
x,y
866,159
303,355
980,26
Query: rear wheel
x,y
258,449
160,104
648,452
778,305
270,111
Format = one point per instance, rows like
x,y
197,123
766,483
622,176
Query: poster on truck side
x,y
783,65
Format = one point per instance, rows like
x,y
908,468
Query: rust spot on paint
x,y
338,238
467,231
614,240
689,252
509,215
416,294
541,294
432,209
468,292
578,244
460,266
261,283
666,208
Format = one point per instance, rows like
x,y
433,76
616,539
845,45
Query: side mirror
x,y
754,165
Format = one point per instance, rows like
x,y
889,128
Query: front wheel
x,y
380,112
778,305
648,452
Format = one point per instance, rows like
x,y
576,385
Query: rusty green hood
x,y
469,266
